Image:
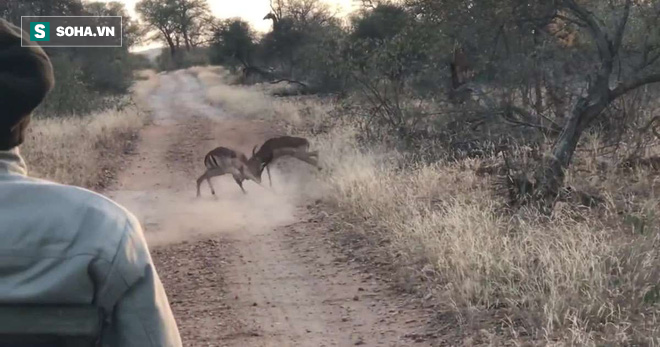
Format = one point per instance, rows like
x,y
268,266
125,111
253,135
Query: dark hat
x,y
26,77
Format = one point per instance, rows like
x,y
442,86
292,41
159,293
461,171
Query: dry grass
x,y
86,151
575,279
80,151
212,75
148,80
256,102
585,277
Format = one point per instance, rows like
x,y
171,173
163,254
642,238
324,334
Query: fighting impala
x,y
223,160
277,147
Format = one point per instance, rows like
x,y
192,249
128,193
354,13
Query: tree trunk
x,y
186,41
170,43
538,92
556,97
455,80
550,177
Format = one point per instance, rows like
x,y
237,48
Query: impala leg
x,y
199,182
210,174
208,179
269,180
239,181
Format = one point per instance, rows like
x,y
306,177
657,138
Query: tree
x,y
233,41
109,69
12,10
622,64
552,66
295,24
192,18
381,22
161,15
130,28
202,30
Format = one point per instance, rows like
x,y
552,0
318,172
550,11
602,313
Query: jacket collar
x,y
11,162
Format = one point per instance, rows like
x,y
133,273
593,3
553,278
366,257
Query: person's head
x,y
26,77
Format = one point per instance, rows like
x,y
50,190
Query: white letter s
x,y
39,28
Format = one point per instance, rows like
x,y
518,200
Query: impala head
x,y
247,173
255,166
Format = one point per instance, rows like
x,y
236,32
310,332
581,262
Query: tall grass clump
x,y
81,151
86,150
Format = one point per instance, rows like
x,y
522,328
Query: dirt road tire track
x,y
251,270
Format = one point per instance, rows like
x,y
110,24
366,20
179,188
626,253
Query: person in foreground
x,y
67,245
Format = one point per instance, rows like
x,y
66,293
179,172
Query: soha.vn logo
x,y
40,31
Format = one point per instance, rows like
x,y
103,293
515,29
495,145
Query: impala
x,y
223,160
277,147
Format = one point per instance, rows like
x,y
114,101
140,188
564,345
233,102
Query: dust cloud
x,y
159,184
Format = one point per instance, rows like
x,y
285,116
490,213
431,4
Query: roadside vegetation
x,y
88,150
82,151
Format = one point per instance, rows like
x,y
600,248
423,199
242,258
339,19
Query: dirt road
x,y
247,270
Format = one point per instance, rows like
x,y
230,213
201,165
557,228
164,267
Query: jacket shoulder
x,y
88,221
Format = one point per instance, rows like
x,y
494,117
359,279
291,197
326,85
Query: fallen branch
x,y
289,81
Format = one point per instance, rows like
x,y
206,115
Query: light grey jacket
x,y
66,245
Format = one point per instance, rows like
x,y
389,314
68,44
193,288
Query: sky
x,y
250,10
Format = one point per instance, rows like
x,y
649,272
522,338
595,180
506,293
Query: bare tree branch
x,y
621,28
571,20
509,109
648,48
289,81
652,60
595,27
627,86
